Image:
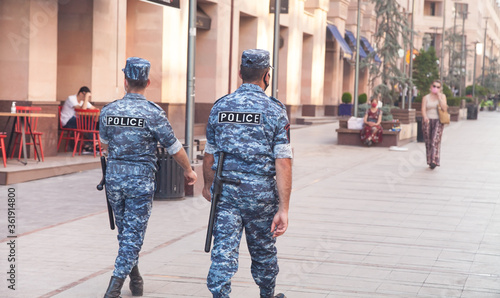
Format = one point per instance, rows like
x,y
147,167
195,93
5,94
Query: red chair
x,y
26,123
69,136
86,124
2,146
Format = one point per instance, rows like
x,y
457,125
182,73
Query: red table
x,y
41,115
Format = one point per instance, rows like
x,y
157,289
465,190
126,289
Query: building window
x,y
433,8
461,9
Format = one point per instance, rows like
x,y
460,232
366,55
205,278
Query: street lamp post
x,y
477,49
411,53
276,47
356,75
462,66
484,52
441,63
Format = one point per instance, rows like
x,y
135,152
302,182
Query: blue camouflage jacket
x,y
251,128
132,127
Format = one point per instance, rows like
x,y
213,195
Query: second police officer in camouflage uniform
x,y
252,130
132,128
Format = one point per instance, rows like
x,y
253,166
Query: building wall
x,y
50,48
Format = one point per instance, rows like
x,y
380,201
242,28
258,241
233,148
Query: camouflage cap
x,y
255,58
137,69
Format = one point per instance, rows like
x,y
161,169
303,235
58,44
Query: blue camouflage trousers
x,y
250,206
131,197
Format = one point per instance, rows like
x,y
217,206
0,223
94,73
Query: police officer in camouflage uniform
x,y
132,128
252,130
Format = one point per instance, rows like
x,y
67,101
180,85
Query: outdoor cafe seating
x,y
29,125
87,130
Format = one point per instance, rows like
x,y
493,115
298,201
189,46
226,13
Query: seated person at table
x,y
79,101
372,130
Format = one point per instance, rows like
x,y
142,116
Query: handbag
x,y
444,117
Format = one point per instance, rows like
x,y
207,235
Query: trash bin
x,y
169,177
420,132
472,112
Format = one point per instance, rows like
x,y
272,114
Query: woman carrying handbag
x,y
432,126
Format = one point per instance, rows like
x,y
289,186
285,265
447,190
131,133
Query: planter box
x,y
457,114
404,116
345,109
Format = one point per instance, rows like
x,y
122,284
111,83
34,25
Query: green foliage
x,y
487,103
447,91
346,97
419,98
425,70
392,29
386,113
362,98
454,101
480,90
362,108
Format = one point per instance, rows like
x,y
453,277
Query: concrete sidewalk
x,y
364,222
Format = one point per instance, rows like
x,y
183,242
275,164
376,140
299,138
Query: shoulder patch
x,y
275,100
154,105
220,99
111,102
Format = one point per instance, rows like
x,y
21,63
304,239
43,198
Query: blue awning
x,y
345,47
352,43
370,49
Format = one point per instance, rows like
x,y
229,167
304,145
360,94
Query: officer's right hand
x,y
190,177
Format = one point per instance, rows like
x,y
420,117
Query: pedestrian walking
x,y
132,127
432,128
252,130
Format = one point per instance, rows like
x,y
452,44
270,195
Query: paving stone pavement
x,y
364,222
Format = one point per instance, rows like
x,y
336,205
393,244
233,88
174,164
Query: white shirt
x,y
68,110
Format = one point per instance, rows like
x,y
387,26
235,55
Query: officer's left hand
x,y
190,177
280,223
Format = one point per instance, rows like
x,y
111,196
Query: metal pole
x,y
276,48
452,49
404,71
411,53
474,76
441,68
462,66
356,75
484,53
190,80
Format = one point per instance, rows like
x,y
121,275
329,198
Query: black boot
x,y
114,288
280,295
136,283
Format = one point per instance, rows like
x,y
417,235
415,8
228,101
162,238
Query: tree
x,y
453,44
492,76
392,27
425,69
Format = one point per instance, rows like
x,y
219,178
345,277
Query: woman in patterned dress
x,y
372,130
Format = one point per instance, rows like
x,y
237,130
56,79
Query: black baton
x,y
100,187
217,191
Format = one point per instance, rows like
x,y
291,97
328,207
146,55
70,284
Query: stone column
x,y
320,8
337,14
108,49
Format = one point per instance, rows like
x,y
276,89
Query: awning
x,y
351,40
203,21
336,34
370,49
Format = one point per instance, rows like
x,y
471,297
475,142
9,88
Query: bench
x,y
351,137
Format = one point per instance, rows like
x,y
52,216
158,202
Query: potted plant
x,y
345,108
